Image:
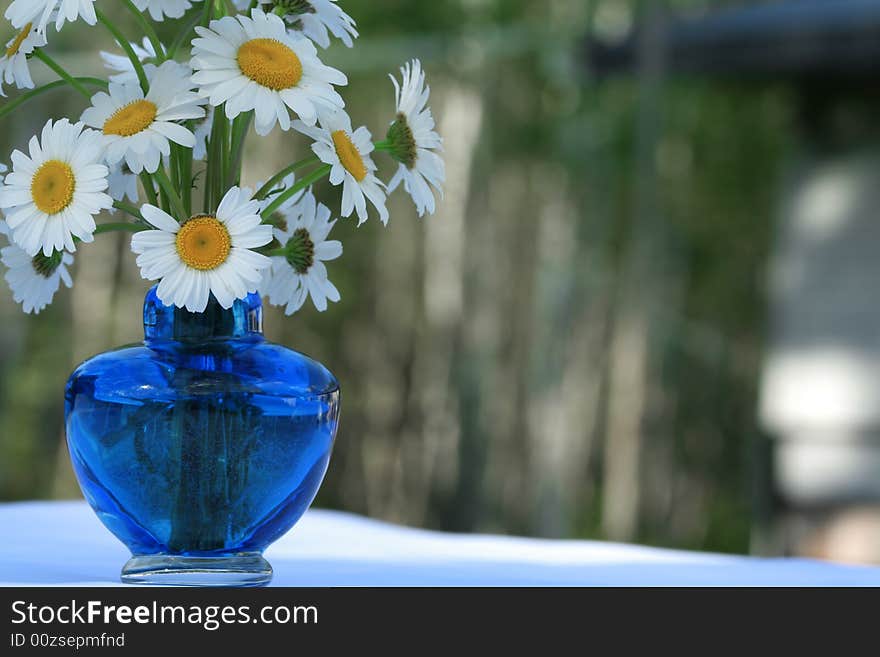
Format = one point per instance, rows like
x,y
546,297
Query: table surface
x,y
64,544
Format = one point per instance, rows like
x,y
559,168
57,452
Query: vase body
x,y
202,445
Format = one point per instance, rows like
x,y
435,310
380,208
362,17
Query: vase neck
x,y
162,322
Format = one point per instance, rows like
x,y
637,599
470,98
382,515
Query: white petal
x,y
160,219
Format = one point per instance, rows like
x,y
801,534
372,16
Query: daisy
x,y
208,254
22,12
146,54
53,195
414,142
14,62
348,152
138,129
301,272
254,64
321,17
34,280
123,184
287,183
316,19
123,68
159,9
202,132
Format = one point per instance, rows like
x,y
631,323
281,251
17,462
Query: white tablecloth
x,y
63,543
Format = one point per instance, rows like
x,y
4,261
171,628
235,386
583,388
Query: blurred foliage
x,y
475,347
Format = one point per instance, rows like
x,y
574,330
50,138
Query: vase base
x,y
247,569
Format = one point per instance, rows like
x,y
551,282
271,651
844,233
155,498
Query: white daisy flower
x,y
138,129
53,195
301,272
414,142
123,68
34,280
14,62
160,9
207,254
287,183
202,133
254,64
348,152
321,18
40,12
316,19
123,184
146,54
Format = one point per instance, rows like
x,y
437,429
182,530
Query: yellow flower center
x,y
52,186
16,43
131,119
349,155
270,63
203,243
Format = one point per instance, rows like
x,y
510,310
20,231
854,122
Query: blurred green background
x,y
571,347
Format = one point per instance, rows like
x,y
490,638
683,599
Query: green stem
x,y
148,30
383,145
215,159
240,128
174,164
126,46
206,184
166,186
179,155
64,75
207,13
281,175
13,105
120,227
282,198
224,159
129,209
165,202
186,178
183,34
149,188
220,9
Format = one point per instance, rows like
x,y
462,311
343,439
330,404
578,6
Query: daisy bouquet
x,y
160,147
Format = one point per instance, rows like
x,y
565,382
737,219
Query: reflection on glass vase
x,y
202,445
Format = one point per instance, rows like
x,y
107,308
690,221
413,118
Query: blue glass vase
x,y
202,445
